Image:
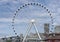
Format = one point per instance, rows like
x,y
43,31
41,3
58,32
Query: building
x,y
46,28
57,29
33,37
53,37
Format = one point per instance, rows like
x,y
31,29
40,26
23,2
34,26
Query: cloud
x,y
7,0
3,0
3,35
9,20
24,1
55,23
2,26
6,20
53,5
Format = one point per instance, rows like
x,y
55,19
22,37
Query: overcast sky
x,y
8,8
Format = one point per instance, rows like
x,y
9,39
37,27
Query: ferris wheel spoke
x,y
27,32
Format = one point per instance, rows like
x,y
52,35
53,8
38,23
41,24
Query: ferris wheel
x,y
32,14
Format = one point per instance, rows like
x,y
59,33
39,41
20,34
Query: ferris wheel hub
x,y
33,21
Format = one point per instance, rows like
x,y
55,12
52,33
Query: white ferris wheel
x,y
31,15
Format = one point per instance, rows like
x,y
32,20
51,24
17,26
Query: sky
x,y
8,8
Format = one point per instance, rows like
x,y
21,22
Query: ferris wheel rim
x,y
27,4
